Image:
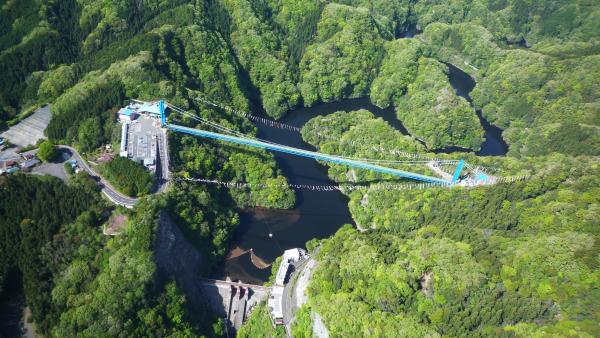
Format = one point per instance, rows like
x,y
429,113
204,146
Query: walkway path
x,y
435,166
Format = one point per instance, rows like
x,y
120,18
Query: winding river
x,y
317,214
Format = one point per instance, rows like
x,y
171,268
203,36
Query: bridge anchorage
x,y
462,173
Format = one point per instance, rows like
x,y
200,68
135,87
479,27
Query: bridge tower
x,y
459,168
163,118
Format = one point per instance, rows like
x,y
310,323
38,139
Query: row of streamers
x,y
254,118
341,187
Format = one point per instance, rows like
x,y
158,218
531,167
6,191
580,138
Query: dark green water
x,y
317,214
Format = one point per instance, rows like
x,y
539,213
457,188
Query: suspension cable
x,y
435,161
339,187
276,124
254,118
239,134
318,187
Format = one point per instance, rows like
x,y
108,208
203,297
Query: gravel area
x,y
9,154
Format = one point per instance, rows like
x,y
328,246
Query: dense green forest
x,y
76,280
486,261
47,151
518,259
129,177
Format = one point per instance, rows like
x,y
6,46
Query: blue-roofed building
x,y
127,114
150,108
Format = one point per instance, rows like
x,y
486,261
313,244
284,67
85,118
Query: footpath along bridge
x,y
228,135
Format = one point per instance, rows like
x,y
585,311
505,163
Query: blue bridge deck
x,y
311,154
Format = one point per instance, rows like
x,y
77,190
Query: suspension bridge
x,y
476,175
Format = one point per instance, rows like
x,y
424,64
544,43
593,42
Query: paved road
x,y
55,168
289,302
113,194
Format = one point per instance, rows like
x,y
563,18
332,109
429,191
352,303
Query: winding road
x,y
109,191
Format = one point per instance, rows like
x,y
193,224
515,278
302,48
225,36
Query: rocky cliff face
x,y
176,258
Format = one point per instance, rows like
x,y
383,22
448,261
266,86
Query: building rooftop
x,y
30,163
289,256
282,272
293,254
126,111
150,107
275,302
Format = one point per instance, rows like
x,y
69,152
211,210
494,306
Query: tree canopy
x,y
47,151
513,259
128,176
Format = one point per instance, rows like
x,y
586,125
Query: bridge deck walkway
x,y
307,153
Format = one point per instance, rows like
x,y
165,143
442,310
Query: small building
x,y
282,273
29,163
150,108
289,257
27,155
148,161
294,255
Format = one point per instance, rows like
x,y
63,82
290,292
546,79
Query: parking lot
x,y
31,129
55,168
142,139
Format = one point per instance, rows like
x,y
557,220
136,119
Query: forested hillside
x,y
76,280
515,259
518,258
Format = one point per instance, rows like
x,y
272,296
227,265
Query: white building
x,y
282,272
295,254
275,304
124,130
289,256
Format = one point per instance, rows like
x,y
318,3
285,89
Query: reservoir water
x,y
493,145
317,214
268,232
